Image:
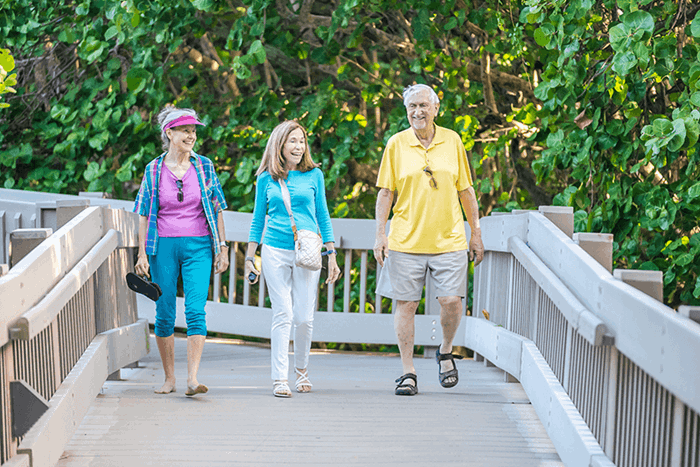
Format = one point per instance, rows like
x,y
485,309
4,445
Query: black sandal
x,y
453,372
403,389
140,284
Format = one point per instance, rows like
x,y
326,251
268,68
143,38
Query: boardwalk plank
x,y
351,417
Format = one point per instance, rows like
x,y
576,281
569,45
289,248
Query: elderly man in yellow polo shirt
x,y
426,165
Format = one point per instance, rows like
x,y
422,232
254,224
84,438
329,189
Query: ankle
x,y
445,349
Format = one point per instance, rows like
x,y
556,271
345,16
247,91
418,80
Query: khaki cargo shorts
x,y
404,275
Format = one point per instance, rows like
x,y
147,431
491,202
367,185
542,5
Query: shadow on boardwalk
x,y
351,418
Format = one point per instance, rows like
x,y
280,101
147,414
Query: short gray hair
x,y
415,89
167,115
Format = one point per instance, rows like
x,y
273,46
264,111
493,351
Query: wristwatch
x,y
250,258
223,244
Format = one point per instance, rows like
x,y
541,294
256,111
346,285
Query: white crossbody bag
x,y
307,244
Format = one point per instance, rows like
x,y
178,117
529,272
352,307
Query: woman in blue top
x,y
292,289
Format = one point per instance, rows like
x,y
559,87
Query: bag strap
x,y
288,204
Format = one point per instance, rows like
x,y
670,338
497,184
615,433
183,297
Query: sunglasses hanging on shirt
x,y
180,194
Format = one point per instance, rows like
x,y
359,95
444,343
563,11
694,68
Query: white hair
x,y
167,115
415,89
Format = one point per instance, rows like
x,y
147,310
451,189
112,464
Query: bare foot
x,y
194,387
303,384
167,388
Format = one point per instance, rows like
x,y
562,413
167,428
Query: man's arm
x,y
381,215
471,209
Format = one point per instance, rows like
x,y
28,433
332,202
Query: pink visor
x,y
184,120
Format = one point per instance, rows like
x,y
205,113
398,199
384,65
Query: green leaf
x,y
695,25
451,23
684,259
678,137
619,37
541,37
694,191
257,50
7,62
204,5
92,172
111,32
624,62
136,79
640,23
695,98
662,127
98,141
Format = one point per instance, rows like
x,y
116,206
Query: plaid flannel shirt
x,y
213,200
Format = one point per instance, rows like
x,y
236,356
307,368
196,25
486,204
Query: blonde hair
x,y
273,161
167,115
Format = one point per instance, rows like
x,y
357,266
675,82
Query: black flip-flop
x,y
143,286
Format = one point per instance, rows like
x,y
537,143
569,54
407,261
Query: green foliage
x,y
7,64
620,120
595,105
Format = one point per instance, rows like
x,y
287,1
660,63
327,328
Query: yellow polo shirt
x,y
426,220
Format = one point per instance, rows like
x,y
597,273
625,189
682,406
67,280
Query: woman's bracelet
x,y
250,258
329,252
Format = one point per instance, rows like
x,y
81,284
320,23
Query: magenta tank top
x,y
180,219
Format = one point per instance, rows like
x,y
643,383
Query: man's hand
x,y
476,249
381,248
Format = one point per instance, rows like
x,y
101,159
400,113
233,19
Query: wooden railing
x,y
67,321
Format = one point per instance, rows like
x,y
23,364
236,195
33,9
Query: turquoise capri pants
x,y
191,257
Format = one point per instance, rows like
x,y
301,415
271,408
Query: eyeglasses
x,y
428,171
180,195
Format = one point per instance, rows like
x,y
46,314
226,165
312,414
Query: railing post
x,y
649,282
432,307
611,405
677,433
690,312
23,241
561,216
67,209
598,245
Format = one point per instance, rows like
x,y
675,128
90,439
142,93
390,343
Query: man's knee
x,y
405,309
450,303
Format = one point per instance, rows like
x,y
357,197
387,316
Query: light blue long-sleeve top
x,y
308,195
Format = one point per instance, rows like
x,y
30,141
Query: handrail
x,y
583,321
656,338
36,274
35,320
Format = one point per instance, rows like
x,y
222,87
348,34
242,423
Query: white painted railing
x,y
67,321
625,363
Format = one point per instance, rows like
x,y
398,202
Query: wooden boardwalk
x,y
351,418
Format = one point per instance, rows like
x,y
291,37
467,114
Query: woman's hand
x,y
333,269
142,266
250,267
221,261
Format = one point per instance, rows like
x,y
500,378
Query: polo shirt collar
x,y
439,137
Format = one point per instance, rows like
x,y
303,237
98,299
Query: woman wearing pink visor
x,y
181,231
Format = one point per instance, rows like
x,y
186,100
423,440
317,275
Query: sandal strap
x,y
281,387
302,379
403,378
446,356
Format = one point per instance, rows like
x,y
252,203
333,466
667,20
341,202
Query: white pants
x,y
293,295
